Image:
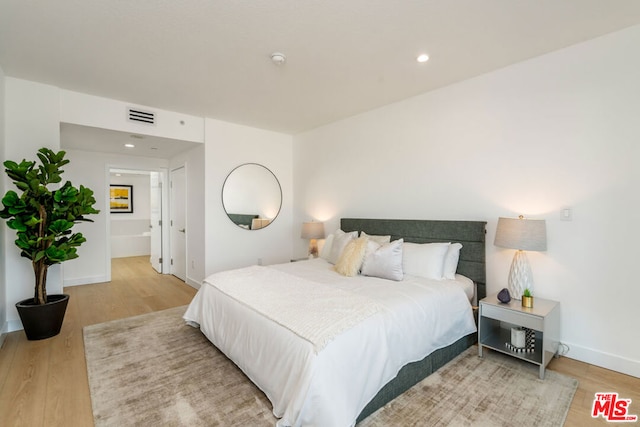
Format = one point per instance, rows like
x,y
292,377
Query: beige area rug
x,y
154,370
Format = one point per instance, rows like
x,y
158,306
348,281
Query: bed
x,y
336,366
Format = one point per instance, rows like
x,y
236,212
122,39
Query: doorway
x,y
139,230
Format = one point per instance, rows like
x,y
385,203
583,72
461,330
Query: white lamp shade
x,y
520,233
312,230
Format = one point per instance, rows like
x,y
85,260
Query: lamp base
x,y
313,248
520,277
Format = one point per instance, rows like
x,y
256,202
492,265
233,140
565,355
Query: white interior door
x,y
178,224
156,221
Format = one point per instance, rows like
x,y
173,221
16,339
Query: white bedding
x,y
332,386
315,313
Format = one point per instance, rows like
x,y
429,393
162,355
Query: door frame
x,y
182,166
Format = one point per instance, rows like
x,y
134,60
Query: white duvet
x,y
330,387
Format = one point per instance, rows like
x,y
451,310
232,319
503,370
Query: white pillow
x,y
325,251
451,261
340,240
378,239
384,261
424,259
351,258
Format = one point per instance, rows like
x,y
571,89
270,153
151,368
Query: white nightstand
x,y
496,319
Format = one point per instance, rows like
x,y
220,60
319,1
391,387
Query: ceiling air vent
x,y
139,116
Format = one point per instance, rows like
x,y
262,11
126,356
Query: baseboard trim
x,y
84,281
3,333
604,360
193,283
13,325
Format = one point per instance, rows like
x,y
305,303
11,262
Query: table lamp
x,y
312,231
523,235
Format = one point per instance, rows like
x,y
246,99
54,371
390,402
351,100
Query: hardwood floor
x,y
44,383
594,379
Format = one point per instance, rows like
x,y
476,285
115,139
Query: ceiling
x,y
211,58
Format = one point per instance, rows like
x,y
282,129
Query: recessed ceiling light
x,y
422,58
278,58
129,145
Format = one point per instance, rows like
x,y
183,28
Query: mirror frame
x,y
224,184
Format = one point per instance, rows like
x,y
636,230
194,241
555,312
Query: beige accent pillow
x,y
351,258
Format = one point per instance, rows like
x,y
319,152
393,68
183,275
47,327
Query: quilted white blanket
x,y
313,311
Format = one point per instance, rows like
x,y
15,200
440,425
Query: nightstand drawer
x,y
522,319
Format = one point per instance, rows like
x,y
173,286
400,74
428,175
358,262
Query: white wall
x,y
31,122
194,162
3,229
226,147
558,130
92,170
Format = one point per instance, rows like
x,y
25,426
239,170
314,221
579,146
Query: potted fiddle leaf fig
x,y
43,219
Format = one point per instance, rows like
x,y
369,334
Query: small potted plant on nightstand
x,y
527,299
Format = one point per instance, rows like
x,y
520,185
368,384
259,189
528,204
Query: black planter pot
x,y
43,321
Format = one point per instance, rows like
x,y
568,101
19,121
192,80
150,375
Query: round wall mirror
x,y
251,196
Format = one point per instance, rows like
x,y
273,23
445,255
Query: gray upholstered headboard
x,y
242,219
471,234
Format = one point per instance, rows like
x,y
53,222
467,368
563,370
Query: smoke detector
x,y
278,58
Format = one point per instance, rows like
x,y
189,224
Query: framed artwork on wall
x,y
121,198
